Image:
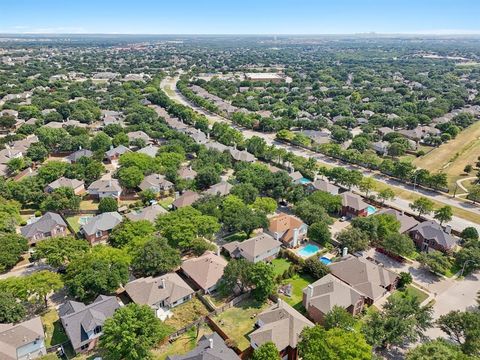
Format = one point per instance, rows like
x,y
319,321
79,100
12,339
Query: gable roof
x,y
295,176
222,188
65,182
154,180
103,222
325,186
149,150
150,291
75,156
253,247
149,213
133,135
353,201
43,224
186,199
286,224
117,151
205,270
282,325
209,347
186,172
105,185
14,336
364,276
433,230
78,318
406,222
328,292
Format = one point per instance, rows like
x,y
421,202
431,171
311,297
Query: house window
x,y
97,330
84,347
98,234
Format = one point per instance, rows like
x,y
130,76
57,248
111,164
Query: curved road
x,y
168,85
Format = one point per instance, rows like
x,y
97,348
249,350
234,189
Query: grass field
x,y
280,266
238,321
298,282
187,313
54,333
452,156
411,290
182,344
73,221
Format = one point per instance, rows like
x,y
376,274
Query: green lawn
x,y
280,266
238,321
299,282
73,221
187,313
413,291
166,202
182,344
54,334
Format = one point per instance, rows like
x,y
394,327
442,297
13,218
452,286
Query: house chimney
x,y
279,302
111,147
448,229
344,251
210,343
163,284
218,251
309,295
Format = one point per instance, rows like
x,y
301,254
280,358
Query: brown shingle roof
x,y
205,270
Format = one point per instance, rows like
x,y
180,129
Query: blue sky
x,y
240,16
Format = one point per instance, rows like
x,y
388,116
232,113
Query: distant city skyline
x,y
241,17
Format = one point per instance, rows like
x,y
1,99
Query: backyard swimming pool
x,y
308,250
304,181
371,209
325,260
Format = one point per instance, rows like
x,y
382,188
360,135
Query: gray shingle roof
x,y
103,222
253,247
149,213
44,224
77,320
14,336
75,156
150,291
433,230
222,188
203,351
353,201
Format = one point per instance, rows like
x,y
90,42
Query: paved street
x,y
169,85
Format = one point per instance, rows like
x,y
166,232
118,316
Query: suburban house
x,y
406,222
353,205
149,213
420,132
262,247
323,185
138,135
114,154
22,341
222,188
288,229
160,293
149,150
431,235
296,177
242,155
205,271
209,347
105,188
48,225
156,183
83,323
187,173
384,131
76,185
369,279
77,155
282,325
8,154
98,228
186,199
321,296
380,147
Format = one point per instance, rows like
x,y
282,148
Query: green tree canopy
x,y
59,251
155,257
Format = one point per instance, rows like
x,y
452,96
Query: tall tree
x,y
267,351
423,205
444,214
132,332
155,257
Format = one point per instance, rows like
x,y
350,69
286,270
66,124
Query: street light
x,y
465,263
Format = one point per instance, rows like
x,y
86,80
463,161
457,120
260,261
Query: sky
x,y
240,16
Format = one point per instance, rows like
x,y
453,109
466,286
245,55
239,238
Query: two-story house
x,y
97,229
288,229
46,226
259,248
22,341
83,323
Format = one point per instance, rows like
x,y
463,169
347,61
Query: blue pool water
x,y
308,250
371,209
304,181
325,260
